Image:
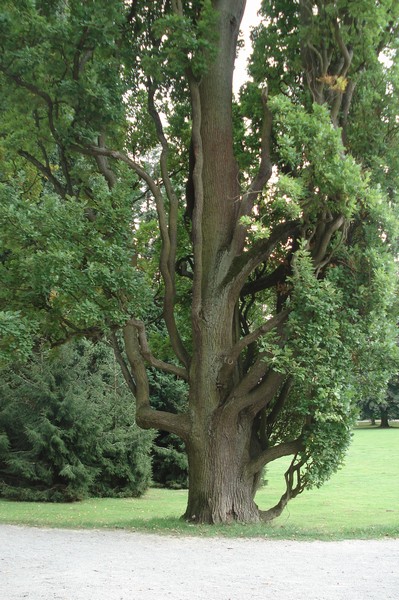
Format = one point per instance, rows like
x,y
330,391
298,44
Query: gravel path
x,y
53,564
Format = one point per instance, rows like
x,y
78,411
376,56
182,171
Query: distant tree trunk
x,y
384,417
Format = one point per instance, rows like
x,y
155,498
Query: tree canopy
x,y
243,245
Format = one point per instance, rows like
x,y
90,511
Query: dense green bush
x,y
67,428
169,459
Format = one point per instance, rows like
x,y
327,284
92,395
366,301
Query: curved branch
x,y
148,356
274,453
294,487
147,417
170,192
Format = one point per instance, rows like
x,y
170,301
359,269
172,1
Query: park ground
x,y
54,564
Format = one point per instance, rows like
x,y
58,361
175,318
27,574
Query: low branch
x,y
294,487
147,417
274,453
148,356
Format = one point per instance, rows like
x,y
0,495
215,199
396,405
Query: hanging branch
x,y
294,487
45,171
121,361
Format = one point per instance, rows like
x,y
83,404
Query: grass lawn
x,y
360,501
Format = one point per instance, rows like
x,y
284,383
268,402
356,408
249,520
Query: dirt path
x,y
53,564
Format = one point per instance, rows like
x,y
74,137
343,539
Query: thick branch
x,y
199,198
147,417
274,453
256,390
267,281
103,166
81,55
148,356
319,252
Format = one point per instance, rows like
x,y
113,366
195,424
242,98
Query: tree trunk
x,y
220,490
384,418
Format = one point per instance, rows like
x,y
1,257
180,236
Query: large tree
x,y
263,226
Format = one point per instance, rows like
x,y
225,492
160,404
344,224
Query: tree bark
x,y
221,489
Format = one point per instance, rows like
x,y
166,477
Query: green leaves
x,y
311,148
184,45
63,267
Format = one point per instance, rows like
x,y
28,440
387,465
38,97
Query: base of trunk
x,y
221,511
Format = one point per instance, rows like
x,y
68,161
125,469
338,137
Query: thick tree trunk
x,y
220,489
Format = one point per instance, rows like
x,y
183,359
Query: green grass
x,y
360,501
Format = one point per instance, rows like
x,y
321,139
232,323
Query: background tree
x,y
276,227
67,428
385,408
